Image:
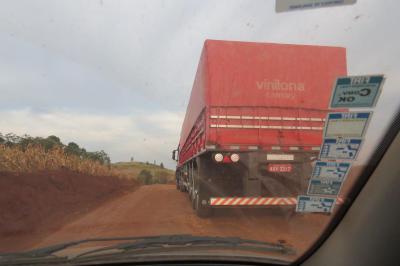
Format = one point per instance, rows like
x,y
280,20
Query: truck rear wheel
x,y
181,186
200,191
191,190
193,202
193,185
202,211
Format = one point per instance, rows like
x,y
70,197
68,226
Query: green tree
x,y
100,156
25,141
50,142
73,149
54,139
11,139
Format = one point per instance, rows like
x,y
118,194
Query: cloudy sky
x,y
116,75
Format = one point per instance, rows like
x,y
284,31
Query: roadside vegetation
x,y
26,154
145,173
43,177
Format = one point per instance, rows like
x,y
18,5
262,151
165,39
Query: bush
x,y
161,177
145,177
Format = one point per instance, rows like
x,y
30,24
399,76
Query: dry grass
x,y
131,170
36,158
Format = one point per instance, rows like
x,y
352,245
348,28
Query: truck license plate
x,y
280,168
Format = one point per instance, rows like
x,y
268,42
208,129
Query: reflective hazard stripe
x,y
251,201
258,201
244,201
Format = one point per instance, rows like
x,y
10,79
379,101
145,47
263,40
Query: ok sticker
x,y
356,91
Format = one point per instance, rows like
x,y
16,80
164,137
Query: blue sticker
x,y
347,124
340,148
315,204
356,91
324,187
330,170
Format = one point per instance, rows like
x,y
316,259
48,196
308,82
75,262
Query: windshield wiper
x,y
169,241
144,243
48,252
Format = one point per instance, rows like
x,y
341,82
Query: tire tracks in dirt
x,y
161,210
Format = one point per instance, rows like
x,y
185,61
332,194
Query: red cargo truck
x,y
254,122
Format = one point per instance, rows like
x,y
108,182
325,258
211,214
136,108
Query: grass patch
x,y
145,173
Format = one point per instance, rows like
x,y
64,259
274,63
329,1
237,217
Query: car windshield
x,y
188,129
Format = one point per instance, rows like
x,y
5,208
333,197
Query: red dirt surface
x,y
38,210
161,209
35,205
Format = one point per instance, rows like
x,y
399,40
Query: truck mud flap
x,y
256,201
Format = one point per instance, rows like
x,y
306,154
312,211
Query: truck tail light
x,y
218,157
227,159
235,157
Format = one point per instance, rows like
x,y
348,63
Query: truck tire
x,y
192,194
202,211
189,193
193,201
192,198
181,186
191,189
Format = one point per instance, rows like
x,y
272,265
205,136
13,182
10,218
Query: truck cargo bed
x,y
259,96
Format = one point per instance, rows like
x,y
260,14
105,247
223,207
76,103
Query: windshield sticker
x,y
315,204
356,91
324,187
348,124
331,170
340,148
292,5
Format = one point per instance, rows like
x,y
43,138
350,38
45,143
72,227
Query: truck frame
x,y
254,123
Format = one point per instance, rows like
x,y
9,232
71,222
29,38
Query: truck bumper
x,y
256,201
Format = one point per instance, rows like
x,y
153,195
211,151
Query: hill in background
x,y
146,173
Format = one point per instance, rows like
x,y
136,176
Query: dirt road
x,y
161,209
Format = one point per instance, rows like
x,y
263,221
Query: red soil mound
x,y
39,203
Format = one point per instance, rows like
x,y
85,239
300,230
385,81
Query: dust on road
x,y
161,209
